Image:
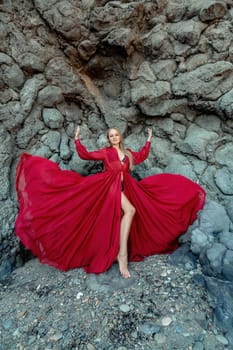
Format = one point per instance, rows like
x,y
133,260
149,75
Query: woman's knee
x,y
127,207
131,211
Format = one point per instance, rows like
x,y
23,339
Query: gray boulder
x,y
52,118
209,81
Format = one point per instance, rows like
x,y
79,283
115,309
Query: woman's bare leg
x,y
126,221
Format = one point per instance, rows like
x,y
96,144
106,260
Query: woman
x,y
115,140
71,221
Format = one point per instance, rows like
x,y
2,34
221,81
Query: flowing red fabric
x,y
68,220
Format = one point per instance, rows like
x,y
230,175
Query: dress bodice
x,y
110,157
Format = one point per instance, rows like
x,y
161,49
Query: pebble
x,y
149,328
222,339
124,308
55,337
198,346
166,321
7,325
160,338
79,295
17,333
31,340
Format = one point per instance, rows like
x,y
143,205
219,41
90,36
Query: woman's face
x,y
114,137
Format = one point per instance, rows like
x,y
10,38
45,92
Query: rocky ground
x,y
161,307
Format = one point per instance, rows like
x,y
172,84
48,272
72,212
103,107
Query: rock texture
x,y
162,64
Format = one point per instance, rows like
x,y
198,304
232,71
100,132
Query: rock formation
x,y
164,64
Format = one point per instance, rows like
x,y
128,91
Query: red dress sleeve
x,y
139,157
85,154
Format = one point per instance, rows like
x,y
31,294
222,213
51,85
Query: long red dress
x,y
68,220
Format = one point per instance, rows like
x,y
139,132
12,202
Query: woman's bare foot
x,y
123,265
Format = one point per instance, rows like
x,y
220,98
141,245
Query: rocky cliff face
x,y
163,64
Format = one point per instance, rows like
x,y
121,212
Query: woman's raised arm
x,y
139,157
83,152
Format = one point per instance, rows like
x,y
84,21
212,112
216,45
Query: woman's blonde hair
x,y
122,147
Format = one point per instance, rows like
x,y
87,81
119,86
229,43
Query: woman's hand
x,y
77,133
149,135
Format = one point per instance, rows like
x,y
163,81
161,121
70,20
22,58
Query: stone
x,y
146,72
164,69
87,49
112,87
50,95
222,339
209,122
213,219
229,208
71,112
13,76
214,37
175,11
179,164
115,118
200,241
29,92
160,339
158,43
124,308
52,118
215,255
56,337
42,151
148,328
65,151
6,59
30,129
61,74
187,31
227,265
196,141
148,95
166,321
62,16
226,238
8,324
222,155
209,81
195,61
31,62
52,140
198,346
12,115
212,9
90,346
225,104
223,179
207,10
122,37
